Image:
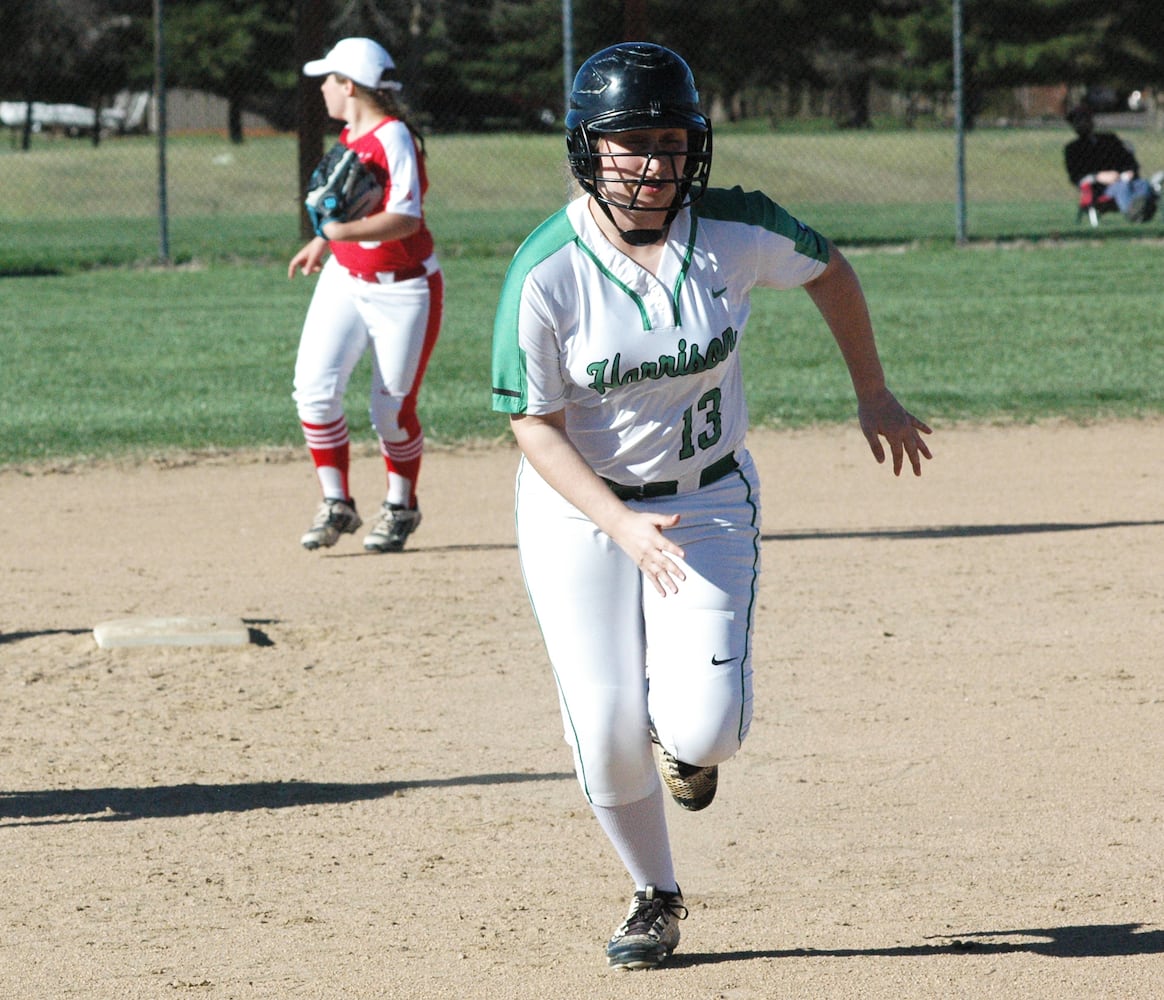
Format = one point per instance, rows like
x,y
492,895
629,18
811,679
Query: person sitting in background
x,y
1102,164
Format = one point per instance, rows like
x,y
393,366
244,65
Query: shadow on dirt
x,y
952,531
1084,941
114,805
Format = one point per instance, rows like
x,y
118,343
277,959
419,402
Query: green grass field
x,y
99,360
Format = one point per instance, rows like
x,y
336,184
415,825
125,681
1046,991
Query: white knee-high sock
x,y
638,832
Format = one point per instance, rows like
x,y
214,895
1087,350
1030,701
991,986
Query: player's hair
x,y
387,102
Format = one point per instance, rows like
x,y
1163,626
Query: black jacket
x,y
1098,151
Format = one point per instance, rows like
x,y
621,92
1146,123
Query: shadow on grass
x,y
31,271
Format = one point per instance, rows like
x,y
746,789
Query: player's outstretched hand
x,y
640,536
884,417
309,260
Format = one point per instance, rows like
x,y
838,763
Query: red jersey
x,y
391,153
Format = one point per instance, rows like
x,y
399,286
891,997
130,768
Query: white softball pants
x,y
348,314
626,660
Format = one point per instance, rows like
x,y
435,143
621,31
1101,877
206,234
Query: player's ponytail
x,y
387,101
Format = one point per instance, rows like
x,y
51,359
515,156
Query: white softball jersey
x,y
647,370
646,366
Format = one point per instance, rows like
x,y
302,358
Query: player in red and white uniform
x,y
617,353
381,288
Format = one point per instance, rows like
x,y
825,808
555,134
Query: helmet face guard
x,y
630,87
586,164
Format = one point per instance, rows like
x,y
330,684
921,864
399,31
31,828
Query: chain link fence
x,y
865,163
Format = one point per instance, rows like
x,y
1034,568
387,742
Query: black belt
x,y
669,487
389,277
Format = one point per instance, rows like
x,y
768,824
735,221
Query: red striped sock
x,y
330,449
402,458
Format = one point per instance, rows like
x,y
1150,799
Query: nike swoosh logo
x,y
718,663
717,292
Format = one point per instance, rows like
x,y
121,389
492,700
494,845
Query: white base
x,y
171,632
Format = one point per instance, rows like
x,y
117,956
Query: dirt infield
x,y
953,786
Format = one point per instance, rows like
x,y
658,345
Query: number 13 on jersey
x,y
704,417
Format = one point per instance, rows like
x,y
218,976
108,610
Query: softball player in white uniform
x,y
383,288
616,351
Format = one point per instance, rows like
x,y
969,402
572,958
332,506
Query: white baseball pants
x,y
627,660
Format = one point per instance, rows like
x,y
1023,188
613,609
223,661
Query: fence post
x,y
160,99
311,115
567,52
959,130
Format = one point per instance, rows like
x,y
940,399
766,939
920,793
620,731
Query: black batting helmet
x,y
630,86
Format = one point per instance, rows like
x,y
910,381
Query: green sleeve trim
x,y
754,208
510,389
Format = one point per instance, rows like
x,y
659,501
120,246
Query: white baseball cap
x,y
361,60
